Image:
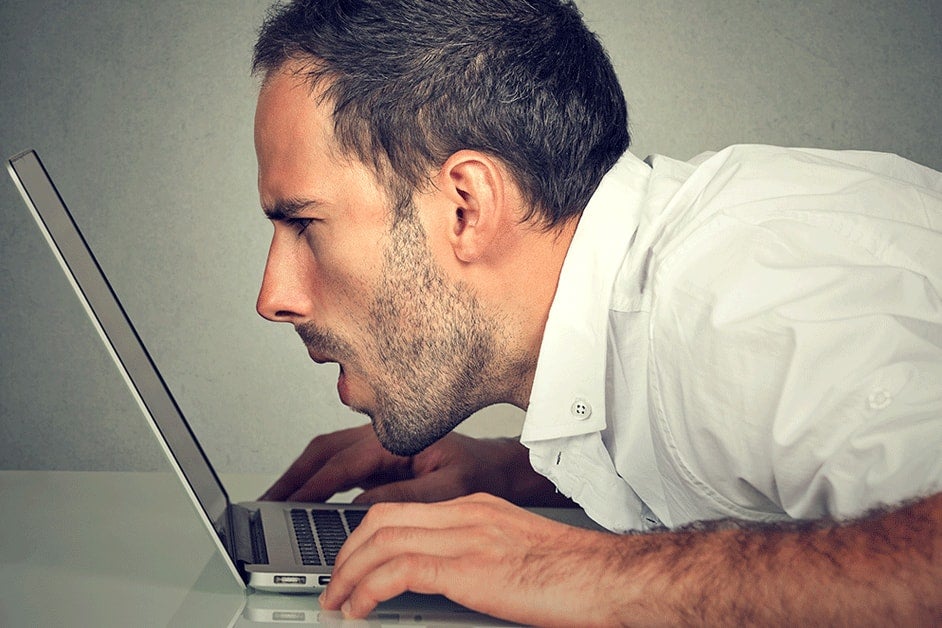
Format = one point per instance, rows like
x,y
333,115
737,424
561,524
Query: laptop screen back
x,y
116,330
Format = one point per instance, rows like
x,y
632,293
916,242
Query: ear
x,y
475,186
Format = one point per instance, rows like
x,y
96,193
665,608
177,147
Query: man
x,y
740,356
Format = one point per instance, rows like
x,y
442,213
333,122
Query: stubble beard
x,y
437,349
432,348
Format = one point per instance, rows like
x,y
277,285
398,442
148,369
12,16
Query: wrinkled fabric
x,y
754,334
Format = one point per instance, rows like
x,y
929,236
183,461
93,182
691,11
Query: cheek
x,y
347,275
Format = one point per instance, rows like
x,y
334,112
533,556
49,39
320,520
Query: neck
x,y
529,280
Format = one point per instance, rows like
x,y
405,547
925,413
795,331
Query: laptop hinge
x,y
223,526
248,536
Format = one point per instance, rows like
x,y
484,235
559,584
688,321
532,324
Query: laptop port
x,y
290,579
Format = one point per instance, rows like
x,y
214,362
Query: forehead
x,y
298,156
290,120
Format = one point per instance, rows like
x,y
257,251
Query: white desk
x,y
126,549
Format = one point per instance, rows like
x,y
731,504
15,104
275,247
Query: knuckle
x,y
380,510
315,445
481,505
415,572
395,577
385,536
317,440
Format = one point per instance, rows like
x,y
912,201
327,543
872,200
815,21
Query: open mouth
x,y
342,390
341,379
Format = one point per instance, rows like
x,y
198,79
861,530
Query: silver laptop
x,y
270,546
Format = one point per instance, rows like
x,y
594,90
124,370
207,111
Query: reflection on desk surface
x,y
205,605
406,610
126,549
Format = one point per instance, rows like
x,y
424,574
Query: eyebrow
x,y
288,208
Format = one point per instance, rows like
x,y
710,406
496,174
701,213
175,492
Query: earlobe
x,y
474,184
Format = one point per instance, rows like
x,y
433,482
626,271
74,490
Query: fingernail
x,y
320,599
345,608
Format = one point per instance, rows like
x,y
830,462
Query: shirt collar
x,y
568,393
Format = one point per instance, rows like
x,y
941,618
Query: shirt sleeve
x,y
798,349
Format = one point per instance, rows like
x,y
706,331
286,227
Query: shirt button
x,y
580,409
879,399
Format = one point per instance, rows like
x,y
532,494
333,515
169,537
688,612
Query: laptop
x,y
270,546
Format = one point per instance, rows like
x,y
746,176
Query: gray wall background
x,y
143,114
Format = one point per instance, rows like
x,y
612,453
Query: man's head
x,y
411,82
411,155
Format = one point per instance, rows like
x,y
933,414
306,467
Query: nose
x,y
283,297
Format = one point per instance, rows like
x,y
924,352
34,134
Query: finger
x,y
313,456
518,576
394,513
419,547
414,572
456,513
318,451
360,463
434,487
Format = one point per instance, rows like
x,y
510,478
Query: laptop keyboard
x,y
321,533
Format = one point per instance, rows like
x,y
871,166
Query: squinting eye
x,y
299,224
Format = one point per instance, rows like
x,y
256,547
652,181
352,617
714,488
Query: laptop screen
x,y
115,328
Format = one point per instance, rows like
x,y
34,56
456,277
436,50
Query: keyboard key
x,y
330,533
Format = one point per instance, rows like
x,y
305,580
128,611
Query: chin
x,y
404,439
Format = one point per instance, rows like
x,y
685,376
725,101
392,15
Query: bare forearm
x,y
885,569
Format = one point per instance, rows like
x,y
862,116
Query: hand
x,y
490,556
455,465
481,552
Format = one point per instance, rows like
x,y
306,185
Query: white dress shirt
x,y
756,334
